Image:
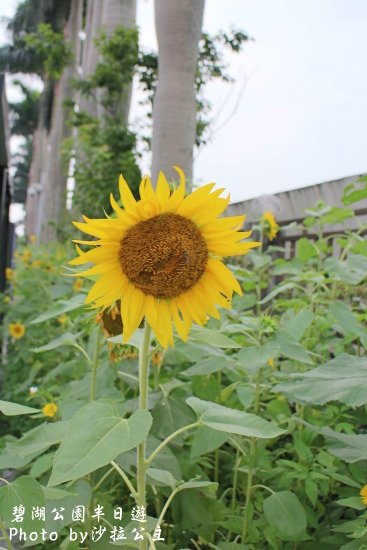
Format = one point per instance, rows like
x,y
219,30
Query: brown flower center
x,y
164,256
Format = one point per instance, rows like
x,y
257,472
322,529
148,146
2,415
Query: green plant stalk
x,y
92,395
143,405
169,438
252,460
250,478
5,533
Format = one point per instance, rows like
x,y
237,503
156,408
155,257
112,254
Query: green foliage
x,y
104,146
115,71
255,429
50,48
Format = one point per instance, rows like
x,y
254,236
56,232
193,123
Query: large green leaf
x,y
97,434
24,491
38,439
347,321
64,306
352,271
213,338
13,409
286,515
233,421
341,379
348,447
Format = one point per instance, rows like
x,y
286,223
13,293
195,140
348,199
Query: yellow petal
x,y
223,275
127,197
162,190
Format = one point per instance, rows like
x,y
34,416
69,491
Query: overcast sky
x,y
297,114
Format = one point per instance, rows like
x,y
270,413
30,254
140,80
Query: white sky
x,y
301,93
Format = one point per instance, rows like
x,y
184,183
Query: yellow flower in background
x,y
50,409
162,257
7,300
16,330
271,363
78,283
9,274
363,494
32,239
36,263
27,255
271,226
62,319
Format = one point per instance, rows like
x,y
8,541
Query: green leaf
x,y
352,271
206,440
134,340
253,357
23,491
277,290
213,338
311,490
39,439
209,365
292,349
341,379
351,502
41,465
297,325
286,515
336,215
305,249
193,484
97,434
13,409
347,321
163,477
66,339
64,306
355,191
348,447
228,420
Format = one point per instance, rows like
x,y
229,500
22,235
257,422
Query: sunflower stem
x,y
143,405
94,366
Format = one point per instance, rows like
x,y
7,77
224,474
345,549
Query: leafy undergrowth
x,y
274,397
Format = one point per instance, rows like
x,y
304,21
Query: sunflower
x,y
78,283
16,330
161,256
271,225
